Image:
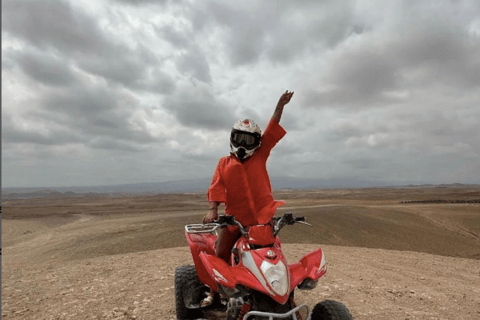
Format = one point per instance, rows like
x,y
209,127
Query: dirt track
x,y
115,258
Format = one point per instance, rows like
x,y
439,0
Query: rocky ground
x,y
114,258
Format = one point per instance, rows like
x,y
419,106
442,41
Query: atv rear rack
x,y
202,228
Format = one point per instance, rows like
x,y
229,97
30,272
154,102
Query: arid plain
x,y
101,257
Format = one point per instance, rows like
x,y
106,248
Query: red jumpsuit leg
x,y
225,241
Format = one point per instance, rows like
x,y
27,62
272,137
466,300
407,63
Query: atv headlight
x,y
276,275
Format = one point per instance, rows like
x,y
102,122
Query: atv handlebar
x,y
226,221
289,219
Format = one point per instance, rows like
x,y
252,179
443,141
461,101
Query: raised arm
x,y
284,99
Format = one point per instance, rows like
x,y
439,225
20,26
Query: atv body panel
x,y
246,263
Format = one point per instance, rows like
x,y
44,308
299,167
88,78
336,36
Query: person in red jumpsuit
x,y
241,180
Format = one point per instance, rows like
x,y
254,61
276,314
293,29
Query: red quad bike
x,y
257,283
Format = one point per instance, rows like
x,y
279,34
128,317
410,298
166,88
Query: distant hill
x,y
201,185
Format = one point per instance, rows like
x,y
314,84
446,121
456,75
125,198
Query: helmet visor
x,y
245,139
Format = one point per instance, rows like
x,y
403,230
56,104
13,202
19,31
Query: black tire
x,y
185,277
330,310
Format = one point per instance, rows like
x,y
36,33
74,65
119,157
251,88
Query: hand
x,y
210,217
285,98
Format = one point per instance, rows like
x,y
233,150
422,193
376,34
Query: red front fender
x,y
312,266
227,276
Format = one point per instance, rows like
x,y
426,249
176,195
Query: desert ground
x,y
101,257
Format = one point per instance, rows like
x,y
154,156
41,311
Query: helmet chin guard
x,y
241,153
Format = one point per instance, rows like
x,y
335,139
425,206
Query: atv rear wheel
x,y
330,310
186,280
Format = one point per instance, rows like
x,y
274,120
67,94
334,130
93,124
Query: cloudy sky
x,y
124,91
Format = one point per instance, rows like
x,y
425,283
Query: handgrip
x,y
226,220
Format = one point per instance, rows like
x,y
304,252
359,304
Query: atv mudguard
x,y
311,266
202,243
228,276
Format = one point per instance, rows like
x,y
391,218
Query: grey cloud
x,y
53,23
195,106
130,67
245,28
341,130
118,69
181,39
292,122
43,67
194,63
246,46
423,53
96,114
432,42
135,69
360,163
356,79
146,55
109,143
81,102
309,26
288,147
145,2
50,134
156,80
282,31
446,53
364,74
427,131
440,130
7,63
190,59
204,157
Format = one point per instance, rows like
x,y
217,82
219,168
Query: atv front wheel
x,y
330,310
185,279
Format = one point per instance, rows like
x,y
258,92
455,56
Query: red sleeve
x,y
273,133
216,191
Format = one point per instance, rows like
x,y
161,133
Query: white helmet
x,y
245,138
